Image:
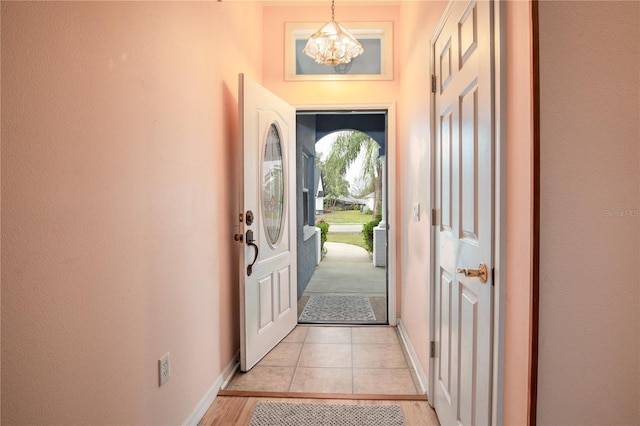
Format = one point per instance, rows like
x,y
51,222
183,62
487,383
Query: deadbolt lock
x,y
249,217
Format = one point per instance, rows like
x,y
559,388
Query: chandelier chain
x,y
333,10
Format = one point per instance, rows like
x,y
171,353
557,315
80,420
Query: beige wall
x,y
414,158
320,92
119,201
589,256
118,205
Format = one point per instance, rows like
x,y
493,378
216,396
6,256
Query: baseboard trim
x,y
210,395
413,358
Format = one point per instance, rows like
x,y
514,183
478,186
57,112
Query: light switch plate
x,y
416,212
164,372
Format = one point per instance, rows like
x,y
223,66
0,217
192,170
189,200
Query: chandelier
x,y
333,44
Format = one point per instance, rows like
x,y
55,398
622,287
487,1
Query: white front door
x,y
462,49
268,289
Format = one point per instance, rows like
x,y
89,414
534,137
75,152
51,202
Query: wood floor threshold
x,y
354,396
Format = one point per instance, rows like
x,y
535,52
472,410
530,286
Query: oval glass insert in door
x,y
273,184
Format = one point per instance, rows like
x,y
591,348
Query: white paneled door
x,y
268,289
463,119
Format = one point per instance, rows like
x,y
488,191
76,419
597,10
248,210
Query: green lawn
x,y
354,239
347,216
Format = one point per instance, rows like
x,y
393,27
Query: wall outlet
x,y
163,369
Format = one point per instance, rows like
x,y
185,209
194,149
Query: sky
x,y
323,147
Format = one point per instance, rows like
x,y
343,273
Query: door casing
x,y
391,186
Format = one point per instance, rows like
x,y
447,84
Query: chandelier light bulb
x,y
333,44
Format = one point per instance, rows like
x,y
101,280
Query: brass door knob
x,y
481,272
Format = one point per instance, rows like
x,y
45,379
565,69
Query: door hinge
x,y
432,349
433,83
434,217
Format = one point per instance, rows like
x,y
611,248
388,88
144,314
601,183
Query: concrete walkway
x,y
345,228
348,270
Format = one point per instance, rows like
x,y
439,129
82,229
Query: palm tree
x,y
345,150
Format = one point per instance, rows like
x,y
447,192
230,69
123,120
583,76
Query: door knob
x,y
481,272
251,242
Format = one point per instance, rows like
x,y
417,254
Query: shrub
x,y
324,230
367,232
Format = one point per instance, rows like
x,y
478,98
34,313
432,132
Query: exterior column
x,y
380,231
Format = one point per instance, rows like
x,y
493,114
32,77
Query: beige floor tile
x,y
329,335
323,380
270,379
297,335
285,354
378,356
326,355
374,335
383,381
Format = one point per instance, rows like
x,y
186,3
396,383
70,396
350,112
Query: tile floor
x,y
325,359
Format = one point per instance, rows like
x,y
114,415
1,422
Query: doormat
x,y
337,308
292,414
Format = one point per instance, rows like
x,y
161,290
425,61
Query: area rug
x,y
293,414
331,308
